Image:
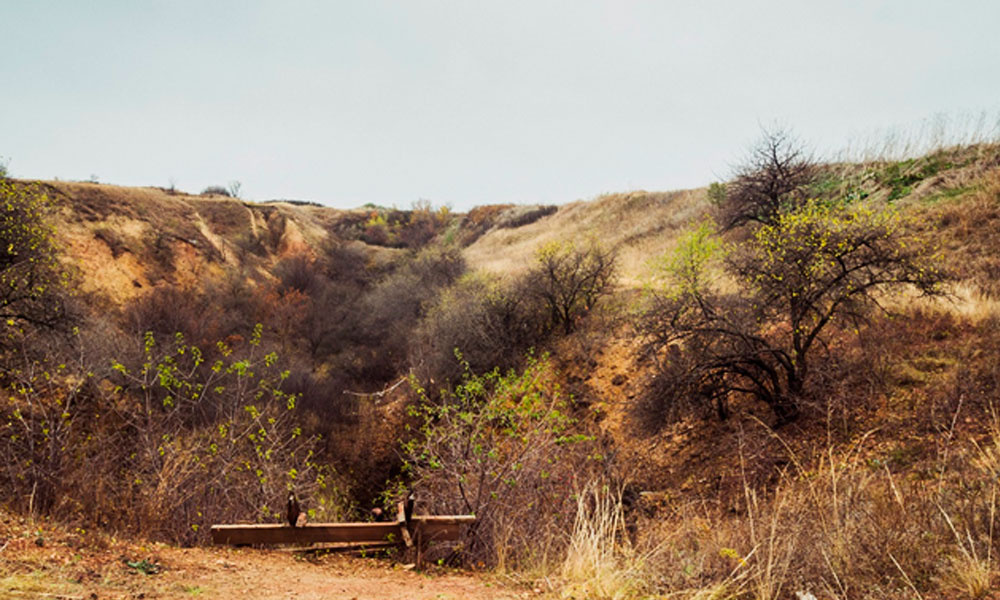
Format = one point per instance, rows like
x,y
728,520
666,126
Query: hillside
x,y
126,240
883,484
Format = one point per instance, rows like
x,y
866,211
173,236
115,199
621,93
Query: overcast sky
x,y
464,102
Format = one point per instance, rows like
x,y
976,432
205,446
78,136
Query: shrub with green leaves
x,y
501,447
32,282
210,441
43,406
799,277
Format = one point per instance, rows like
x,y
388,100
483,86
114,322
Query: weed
x,y
144,566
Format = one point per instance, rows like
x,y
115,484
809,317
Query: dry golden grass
x,y
125,240
639,225
844,528
600,561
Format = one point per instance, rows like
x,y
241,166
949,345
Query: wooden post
x,y
420,548
404,527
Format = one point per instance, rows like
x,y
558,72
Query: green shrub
x,y
503,448
798,278
33,283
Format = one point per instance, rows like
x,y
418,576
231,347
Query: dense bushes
x,y
411,229
501,447
216,190
490,321
395,305
164,448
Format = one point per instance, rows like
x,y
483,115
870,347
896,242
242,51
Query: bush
x,y
772,177
411,229
165,310
812,267
216,190
393,308
571,279
45,407
346,263
201,443
501,447
33,283
162,449
490,322
298,273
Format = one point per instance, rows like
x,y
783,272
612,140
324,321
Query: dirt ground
x,y
37,561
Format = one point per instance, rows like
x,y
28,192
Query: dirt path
x,y
262,575
37,562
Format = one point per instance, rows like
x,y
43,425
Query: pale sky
x,y
467,102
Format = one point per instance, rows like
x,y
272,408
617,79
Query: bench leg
x,y
419,542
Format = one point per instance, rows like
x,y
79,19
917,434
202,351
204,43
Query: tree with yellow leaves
x,y
32,281
811,266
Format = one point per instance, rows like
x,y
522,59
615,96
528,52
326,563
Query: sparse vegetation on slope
x,y
878,483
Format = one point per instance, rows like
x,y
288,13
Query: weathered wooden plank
x,y
311,533
444,519
345,547
439,531
429,527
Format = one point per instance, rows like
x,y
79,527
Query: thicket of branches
x,y
494,321
501,447
772,177
802,270
33,285
179,413
182,439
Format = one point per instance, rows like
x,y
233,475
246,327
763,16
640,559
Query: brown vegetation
x,y
881,484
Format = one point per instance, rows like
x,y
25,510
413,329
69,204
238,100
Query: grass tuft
x,y
601,562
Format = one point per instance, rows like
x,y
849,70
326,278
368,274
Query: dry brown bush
x,y
772,177
166,310
570,279
299,273
393,307
489,322
162,448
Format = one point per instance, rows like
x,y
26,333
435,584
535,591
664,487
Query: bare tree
x,y
570,280
773,175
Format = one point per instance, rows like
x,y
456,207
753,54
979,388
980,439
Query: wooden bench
x,y
408,531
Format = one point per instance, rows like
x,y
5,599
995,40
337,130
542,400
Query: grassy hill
x,y
884,486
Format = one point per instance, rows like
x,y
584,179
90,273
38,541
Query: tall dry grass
x,y
601,562
844,526
938,132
